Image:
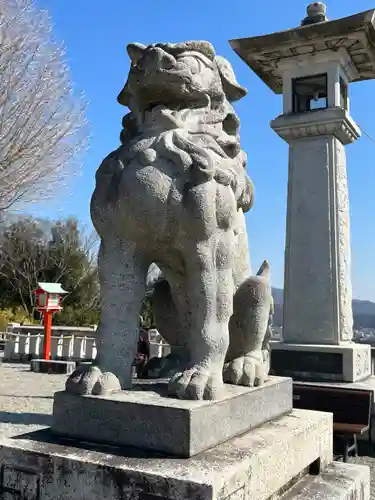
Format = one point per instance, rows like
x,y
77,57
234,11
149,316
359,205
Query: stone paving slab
x,y
26,398
366,458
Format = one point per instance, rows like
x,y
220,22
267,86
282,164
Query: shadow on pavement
x,y
24,396
7,417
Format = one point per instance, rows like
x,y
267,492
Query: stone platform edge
x,y
150,420
339,481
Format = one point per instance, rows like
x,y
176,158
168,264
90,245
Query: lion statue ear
x,y
232,89
135,51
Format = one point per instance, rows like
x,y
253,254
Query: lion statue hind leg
x,y
167,317
246,363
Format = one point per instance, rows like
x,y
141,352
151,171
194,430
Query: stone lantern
x,y
312,66
48,296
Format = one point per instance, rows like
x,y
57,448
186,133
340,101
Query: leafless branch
x,y
43,127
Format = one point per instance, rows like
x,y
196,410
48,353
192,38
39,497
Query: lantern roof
x,y
354,34
51,288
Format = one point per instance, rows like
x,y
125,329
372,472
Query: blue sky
x,y
96,33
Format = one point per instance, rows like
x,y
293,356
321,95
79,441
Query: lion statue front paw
x,y
90,380
249,370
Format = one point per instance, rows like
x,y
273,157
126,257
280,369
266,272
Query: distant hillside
x,y
278,296
363,311
363,307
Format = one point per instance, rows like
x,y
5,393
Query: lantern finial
x,y
316,13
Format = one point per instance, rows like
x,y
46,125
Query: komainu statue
x,y
174,193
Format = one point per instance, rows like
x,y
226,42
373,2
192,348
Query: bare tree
x,y
43,126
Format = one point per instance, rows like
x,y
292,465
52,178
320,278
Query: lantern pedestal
x,y
349,362
53,367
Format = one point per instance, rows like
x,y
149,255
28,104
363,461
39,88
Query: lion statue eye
x,y
193,63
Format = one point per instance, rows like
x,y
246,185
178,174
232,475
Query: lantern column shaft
x,y
317,289
47,316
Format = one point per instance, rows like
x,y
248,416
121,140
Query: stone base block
x,y
146,418
349,362
258,464
52,366
339,481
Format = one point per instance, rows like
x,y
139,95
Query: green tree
x,y
72,258
147,316
23,260
34,250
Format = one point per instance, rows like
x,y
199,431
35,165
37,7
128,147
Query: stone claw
x,y
196,383
249,371
89,379
106,384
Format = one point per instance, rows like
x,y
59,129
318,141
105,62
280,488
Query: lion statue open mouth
x,y
174,193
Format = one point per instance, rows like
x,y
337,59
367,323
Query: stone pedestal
x,y
262,463
147,418
289,455
348,362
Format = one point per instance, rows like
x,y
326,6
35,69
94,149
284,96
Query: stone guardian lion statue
x,y
174,193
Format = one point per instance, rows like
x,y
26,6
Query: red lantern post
x,y
47,318
48,296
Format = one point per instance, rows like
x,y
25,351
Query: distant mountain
x,y
363,311
363,307
278,296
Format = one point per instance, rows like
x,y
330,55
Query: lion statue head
x,y
178,75
179,97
